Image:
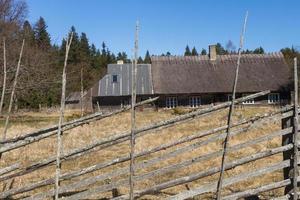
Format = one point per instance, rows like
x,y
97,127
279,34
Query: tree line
x,y
40,76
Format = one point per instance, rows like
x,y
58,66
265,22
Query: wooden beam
x,y
61,118
231,110
133,115
13,92
48,132
232,180
4,76
295,133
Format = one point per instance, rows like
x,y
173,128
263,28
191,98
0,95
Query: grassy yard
x,y
25,122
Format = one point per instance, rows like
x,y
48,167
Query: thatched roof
x,y
198,74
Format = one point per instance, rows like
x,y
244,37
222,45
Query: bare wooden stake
x,y
81,92
296,153
13,91
4,76
231,108
133,108
61,116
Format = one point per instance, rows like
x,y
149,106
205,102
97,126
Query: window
x,y
273,98
195,101
229,97
114,78
171,102
125,102
249,101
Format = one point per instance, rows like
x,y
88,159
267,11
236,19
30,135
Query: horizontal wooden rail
x,y
254,120
232,180
255,191
203,174
35,136
207,187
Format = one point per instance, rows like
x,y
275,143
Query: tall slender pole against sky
x,y
133,102
296,153
231,108
61,118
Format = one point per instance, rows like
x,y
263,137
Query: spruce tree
x,y
220,49
84,48
259,50
41,34
140,60
194,52
147,58
187,51
203,52
28,33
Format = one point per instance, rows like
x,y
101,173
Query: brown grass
x,y
86,134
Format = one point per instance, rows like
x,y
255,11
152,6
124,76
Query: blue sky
x,y
167,25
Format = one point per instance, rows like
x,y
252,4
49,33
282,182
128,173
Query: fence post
x,y
293,154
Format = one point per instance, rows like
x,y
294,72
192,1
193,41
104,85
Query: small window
x,y
195,101
249,101
273,98
114,78
171,102
125,102
229,97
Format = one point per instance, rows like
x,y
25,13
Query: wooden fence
x,y
79,186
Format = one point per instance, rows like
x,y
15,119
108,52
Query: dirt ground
x,y
22,123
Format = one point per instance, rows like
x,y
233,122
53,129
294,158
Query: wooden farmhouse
x,y
193,81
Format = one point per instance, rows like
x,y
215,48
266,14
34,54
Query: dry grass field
x,y
26,122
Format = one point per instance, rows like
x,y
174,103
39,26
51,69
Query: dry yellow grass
x,y
86,134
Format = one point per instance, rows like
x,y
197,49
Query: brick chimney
x,y
212,52
120,62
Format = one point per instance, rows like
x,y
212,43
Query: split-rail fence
x,y
84,187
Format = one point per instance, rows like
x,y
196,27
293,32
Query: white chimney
x,y
212,52
120,62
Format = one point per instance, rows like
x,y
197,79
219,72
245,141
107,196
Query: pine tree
x,y
168,54
74,53
147,58
140,60
220,49
203,52
84,48
28,33
41,34
194,52
259,50
187,51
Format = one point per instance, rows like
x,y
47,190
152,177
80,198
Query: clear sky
x,y
169,25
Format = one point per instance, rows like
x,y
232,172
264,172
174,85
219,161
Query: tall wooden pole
x,y
81,92
231,108
4,76
61,117
133,108
13,91
296,153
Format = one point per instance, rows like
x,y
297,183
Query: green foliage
x,y
289,55
42,37
194,52
259,50
220,49
147,58
203,52
187,51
